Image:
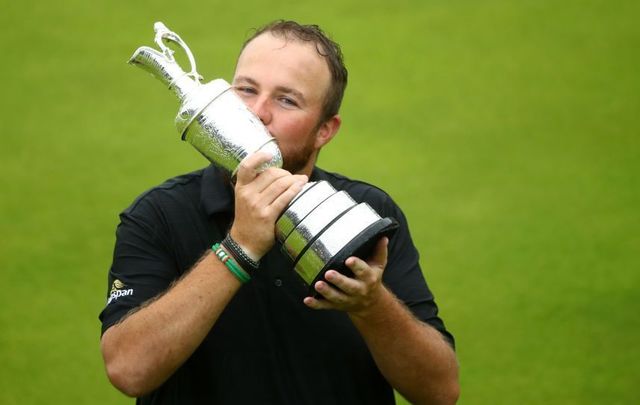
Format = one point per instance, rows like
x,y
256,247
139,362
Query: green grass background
x,y
507,130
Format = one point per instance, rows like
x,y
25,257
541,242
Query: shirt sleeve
x,y
142,266
403,274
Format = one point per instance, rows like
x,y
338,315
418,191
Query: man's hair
x,y
325,47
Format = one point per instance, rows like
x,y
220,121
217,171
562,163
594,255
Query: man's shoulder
x,y
358,189
181,187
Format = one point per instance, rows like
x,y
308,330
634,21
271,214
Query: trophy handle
x,y
163,33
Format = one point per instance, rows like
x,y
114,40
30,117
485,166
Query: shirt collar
x,y
216,192
318,174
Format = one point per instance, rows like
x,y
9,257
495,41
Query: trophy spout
x,y
164,69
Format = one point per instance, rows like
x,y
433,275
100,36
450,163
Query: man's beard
x,y
296,160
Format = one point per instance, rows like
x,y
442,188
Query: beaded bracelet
x,y
231,264
243,259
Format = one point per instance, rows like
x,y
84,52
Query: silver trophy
x,y
321,227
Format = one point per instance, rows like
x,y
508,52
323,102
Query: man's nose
x,y
262,108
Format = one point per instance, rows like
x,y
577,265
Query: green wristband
x,y
230,264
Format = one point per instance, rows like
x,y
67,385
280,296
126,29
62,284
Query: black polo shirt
x,y
267,347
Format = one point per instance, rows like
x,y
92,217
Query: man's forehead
x,y
272,55
267,43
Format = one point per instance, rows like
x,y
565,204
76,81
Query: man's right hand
x,y
260,197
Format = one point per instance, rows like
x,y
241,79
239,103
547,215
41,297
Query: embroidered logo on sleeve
x,y
118,290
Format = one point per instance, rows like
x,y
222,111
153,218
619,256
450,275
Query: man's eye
x,y
288,101
245,90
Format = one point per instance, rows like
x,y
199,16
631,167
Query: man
x,y
181,327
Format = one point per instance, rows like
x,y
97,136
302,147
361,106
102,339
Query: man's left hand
x,y
355,295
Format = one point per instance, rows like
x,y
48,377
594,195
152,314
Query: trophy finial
x,y
164,33
163,66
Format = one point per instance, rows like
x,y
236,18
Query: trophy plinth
x,y
321,227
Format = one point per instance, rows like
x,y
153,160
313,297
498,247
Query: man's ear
x,y
327,131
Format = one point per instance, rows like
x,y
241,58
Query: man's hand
x,y
353,295
413,357
260,197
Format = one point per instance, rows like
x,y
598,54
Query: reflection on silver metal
x,y
319,222
333,239
211,117
226,132
301,206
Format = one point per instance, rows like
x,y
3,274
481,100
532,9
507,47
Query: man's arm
x,y
413,356
147,346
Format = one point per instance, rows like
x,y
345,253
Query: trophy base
x,y
361,246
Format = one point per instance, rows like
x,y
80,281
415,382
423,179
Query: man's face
x,y
284,83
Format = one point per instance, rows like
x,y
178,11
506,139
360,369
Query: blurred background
x,y
507,130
